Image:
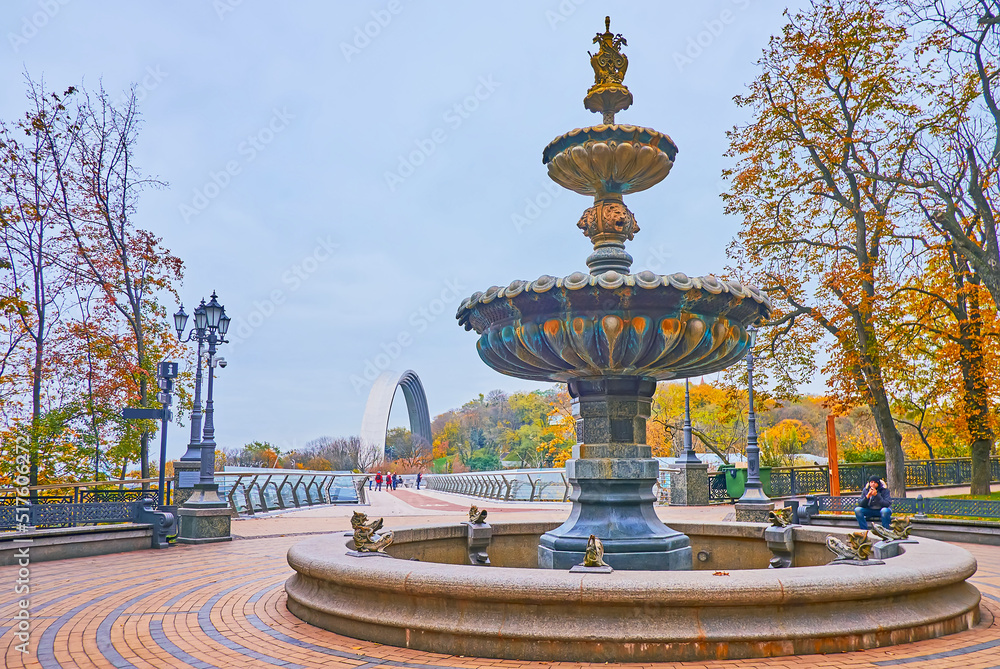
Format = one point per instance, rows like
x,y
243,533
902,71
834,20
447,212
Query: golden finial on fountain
x,y
608,95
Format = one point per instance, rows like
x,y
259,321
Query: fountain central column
x,y
612,475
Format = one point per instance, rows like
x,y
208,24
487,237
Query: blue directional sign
x,y
142,413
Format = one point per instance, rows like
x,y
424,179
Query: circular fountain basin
x,y
425,596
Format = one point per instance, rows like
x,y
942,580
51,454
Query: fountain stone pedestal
x,y
612,476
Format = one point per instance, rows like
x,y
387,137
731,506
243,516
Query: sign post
x,y
831,453
166,372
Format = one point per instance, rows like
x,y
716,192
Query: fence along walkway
x,y
534,485
521,485
261,490
247,491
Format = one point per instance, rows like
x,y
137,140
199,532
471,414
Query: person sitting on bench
x,y
875,503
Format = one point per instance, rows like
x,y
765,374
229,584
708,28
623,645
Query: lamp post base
x,y
689,486
753,510
205,518
187,473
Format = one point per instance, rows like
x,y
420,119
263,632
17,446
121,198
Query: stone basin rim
x,y
615,132
634,616
613,280
925,565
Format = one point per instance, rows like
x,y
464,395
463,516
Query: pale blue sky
x,y
276,125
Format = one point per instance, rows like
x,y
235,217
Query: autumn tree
x,y
37,268
400,443
948,174
817,231
718,420
953,159
80,283
944,305
129,265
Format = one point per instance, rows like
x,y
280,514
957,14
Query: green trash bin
x,y
736,480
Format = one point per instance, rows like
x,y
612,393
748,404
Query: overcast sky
x,y
343,174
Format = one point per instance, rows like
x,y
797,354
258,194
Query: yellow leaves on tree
x,y
818,227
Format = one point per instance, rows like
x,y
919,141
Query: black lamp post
x,y
198,333
218,324
210,326
753,491
689,455
204,517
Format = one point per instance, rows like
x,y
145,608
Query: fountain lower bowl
x,y
426,597
582,326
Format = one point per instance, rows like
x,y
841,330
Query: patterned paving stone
x,y
223,606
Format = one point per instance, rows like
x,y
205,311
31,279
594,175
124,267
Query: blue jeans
x,y
863,514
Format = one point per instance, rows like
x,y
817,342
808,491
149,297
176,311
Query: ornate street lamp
x,y
198,333
204,517
753,492
214,312
218,324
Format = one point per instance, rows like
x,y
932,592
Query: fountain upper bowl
x,y
609,160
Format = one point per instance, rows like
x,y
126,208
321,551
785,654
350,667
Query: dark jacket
x,y
879,500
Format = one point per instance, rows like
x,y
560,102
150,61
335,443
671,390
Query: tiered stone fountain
x,y
611,335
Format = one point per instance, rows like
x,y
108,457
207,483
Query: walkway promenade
x,y
223,605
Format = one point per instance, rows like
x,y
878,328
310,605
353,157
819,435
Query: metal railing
x,y
249,491
87,492
70,514
815,480
919,506
519,485
64,505
522,485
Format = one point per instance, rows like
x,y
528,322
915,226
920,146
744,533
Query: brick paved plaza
x,y
223,605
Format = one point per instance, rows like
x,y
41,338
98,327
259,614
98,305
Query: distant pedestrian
x,y
419,477
396,481
378,481
370,483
